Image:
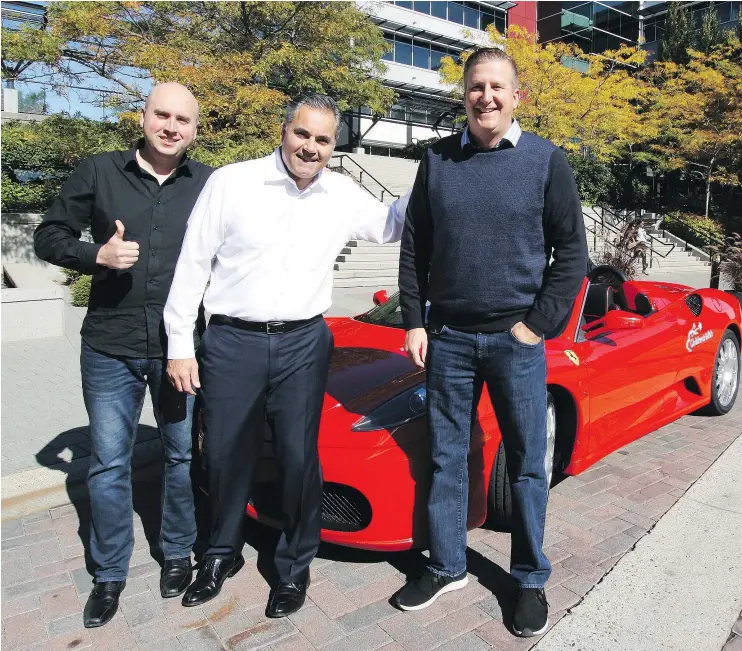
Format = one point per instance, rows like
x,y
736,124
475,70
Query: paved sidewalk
x,y
681,587
593,521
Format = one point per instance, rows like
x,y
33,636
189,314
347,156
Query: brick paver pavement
x,y
592,521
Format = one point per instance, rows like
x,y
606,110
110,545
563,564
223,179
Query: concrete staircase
x,y
666,260
364,264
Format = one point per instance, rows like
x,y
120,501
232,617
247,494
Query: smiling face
x,y
307,143
169,120
490,99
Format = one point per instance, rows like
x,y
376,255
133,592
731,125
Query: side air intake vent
x,y
694,303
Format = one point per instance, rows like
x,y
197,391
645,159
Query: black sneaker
x,y
422,592
531,612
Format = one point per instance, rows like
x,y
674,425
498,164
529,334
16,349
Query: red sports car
x,y
630,357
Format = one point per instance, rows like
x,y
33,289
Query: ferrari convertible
x,y
630,357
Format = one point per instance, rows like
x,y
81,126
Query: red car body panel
x,y
618,386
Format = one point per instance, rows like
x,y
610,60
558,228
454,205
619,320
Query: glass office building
x,y
593,26
654,14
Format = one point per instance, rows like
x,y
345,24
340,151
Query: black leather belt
x,y
268,327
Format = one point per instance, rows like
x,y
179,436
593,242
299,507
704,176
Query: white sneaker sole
x,y
530,633
456,585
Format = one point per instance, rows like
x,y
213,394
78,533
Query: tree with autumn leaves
x,y
242,60
614,108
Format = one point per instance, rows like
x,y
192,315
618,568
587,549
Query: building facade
x,y
599,26
420,34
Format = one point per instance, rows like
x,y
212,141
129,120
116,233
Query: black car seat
x,y
599,300
643,305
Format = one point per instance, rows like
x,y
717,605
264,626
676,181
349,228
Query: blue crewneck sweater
x,y
480,229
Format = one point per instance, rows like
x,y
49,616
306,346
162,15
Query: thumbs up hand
x,y
117,253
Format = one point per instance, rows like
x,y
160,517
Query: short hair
x,y
315,101
489,54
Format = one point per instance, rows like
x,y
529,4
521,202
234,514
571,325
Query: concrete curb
x,y
684,577
30,491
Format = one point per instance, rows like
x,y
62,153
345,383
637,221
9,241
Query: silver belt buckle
x,y
270,325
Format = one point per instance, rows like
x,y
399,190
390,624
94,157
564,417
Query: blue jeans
x,y
515,373
114,390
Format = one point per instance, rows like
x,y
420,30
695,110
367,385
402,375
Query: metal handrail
x,y
702,235
603,225
384,189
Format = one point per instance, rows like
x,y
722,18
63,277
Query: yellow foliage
x,y
597,108
242,60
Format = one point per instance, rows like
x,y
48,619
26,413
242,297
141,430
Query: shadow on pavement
x,y
67,453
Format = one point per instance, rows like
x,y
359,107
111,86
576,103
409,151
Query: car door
x,y
629,373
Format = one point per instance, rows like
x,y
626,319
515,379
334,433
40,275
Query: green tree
x,y
678,37
39,156
242,60
699,108
711,33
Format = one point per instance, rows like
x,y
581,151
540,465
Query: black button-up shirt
x,y
125,309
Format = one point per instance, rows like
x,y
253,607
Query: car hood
x,y
368,366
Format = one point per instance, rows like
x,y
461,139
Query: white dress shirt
x,y
267,247
512,135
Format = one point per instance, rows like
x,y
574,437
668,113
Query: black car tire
x,y
717,407
500,498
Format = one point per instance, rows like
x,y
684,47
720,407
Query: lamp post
x,y
715,270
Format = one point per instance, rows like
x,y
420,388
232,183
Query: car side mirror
x,y
381,297
613,320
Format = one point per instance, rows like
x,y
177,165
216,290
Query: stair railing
x,y
341,167
616,231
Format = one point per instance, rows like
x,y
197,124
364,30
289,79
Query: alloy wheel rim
x,y
550,441
727,372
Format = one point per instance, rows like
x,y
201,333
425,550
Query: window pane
x,y
487,18
421,56
406,5
403,52
630,28
436,54
418,115
389,56
422,7
471,16
397,112
600,41
455,13
438,9
500,23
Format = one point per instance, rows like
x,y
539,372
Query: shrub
x,y
695,229
80,291
619,257
70,275
595,180
39,156
731,266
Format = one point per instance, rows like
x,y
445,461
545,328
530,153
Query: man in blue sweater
x,y
488,210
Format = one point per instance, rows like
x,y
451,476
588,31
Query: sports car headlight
x,y
401,409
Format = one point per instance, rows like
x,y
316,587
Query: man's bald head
x,y
172,90
169,119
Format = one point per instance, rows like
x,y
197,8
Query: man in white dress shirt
x,y
266,234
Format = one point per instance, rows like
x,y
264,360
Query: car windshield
x,y
387,314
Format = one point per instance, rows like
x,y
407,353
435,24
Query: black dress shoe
x,y
286,599
103,603
210,578
175,577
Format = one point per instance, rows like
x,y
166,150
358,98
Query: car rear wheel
x,y
500,497
725,381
